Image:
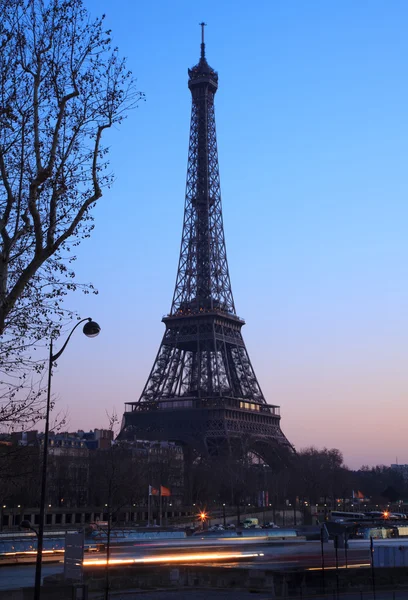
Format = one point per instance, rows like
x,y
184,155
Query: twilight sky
x,y
313,145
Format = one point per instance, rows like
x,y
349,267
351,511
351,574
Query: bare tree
x,y
21,404
320,474
62,85
18,474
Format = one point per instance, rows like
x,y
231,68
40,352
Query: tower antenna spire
x,y
202,39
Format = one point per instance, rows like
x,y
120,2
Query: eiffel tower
x,y
202,391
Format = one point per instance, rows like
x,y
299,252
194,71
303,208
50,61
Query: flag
x,y
153,491
164,491
360,495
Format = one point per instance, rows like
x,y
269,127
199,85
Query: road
x,y
194,594
253,553
19,576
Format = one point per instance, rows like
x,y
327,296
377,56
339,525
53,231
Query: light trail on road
x,y
354,566
179,558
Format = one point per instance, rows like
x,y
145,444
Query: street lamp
x,y
90,329
203,517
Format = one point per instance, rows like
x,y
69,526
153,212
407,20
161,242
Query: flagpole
x,y
160,505
148,507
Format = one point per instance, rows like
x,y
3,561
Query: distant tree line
x,y
312,476
121,474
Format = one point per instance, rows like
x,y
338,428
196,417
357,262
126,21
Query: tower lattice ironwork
x,y
202,390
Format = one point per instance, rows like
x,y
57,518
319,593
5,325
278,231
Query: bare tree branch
x,y
62,86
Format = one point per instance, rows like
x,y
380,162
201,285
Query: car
x,y
216,528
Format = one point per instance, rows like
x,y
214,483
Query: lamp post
x,y
90,329
2,507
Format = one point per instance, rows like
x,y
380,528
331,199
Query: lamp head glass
x,y
91,329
